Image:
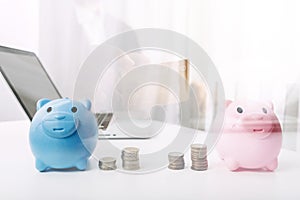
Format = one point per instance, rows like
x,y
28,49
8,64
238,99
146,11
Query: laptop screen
x,y
27,78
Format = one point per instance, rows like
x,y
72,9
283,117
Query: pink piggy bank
x,y
251,137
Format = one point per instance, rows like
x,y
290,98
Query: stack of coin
x,y
130,158
107,163
176,160
199,157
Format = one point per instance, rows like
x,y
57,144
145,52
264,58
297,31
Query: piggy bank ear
x,y
227,103
41,103
270,104
87,103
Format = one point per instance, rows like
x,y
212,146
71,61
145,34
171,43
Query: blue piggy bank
x,y
63,134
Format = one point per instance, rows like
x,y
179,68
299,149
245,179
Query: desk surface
x,y
20,180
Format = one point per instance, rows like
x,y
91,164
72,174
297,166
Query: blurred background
x,y
255,44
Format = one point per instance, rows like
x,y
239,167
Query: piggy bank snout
x,y
253,117
257,123
59,117
60,125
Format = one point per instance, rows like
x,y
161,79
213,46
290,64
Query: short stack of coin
x,y
199,157
107,163
176,160
130,158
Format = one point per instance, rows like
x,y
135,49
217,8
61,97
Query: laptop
x,y
30,82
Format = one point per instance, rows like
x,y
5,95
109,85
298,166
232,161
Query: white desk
x,y
20,180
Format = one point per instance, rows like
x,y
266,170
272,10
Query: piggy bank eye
x,y
265,110
239,110
49,109
74,109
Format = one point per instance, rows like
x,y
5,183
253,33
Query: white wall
x,y
255,44
19,25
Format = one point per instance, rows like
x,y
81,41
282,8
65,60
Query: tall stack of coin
x,y
176,160
130,158
107,163
199,157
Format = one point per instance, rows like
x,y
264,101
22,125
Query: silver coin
x,y
198,169
131,166
107,163
130,153
176,168
129,159
197,159
200,166
198,153
179,163
129,156
131,150
199,150
198,146
176,163
176,160
131,162
199,156
175,154
199,162
108,168
107,159
171,159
